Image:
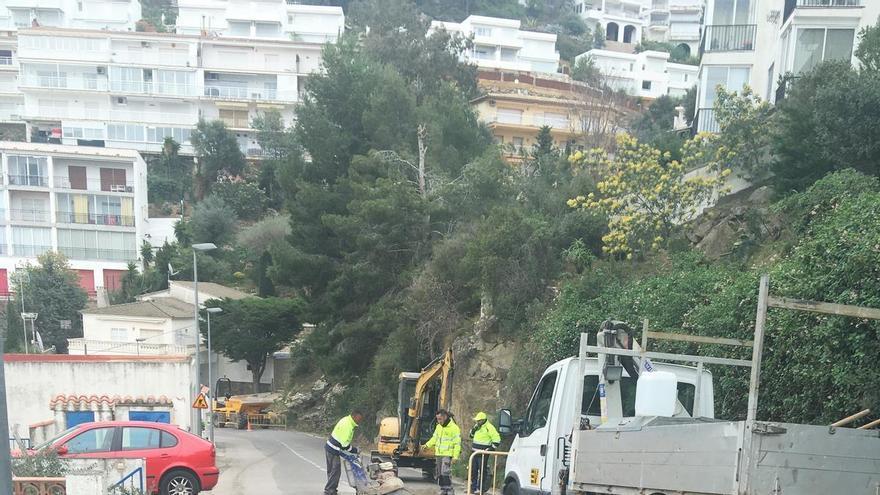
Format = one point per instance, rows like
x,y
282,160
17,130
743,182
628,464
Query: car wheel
x,y
511,488
179,482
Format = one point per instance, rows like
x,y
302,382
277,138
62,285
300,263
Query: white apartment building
x,y
126,89
647,74
119,15
501,44
754,42
88,203
627,22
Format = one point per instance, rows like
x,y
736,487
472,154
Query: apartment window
x,y
82,133
234,118
268,30
646,85
509,116
482,31
729,12
557,120
28,170
508,55
239,28
5,57
31,241
31,210
97,245
517,143
814,45
730,78
119,334
125,132
174,82
484,53
130,79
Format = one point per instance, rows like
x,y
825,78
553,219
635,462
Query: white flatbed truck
x,y
565,445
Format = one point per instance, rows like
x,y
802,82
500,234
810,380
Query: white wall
x,y
33,381
99,327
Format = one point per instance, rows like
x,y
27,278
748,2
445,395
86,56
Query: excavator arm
x,y
439,369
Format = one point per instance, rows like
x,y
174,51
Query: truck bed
x,y
696,456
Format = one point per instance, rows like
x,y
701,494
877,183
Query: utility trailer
x,y
688,452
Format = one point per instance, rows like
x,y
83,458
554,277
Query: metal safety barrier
x,y
267,420
135,475
486,454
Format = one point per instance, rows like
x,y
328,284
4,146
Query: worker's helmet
x,y
481,416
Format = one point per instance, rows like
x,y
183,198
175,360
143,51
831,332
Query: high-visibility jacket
x,y
446,440
342,435
486,436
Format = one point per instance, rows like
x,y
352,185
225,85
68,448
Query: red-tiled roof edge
x,y
70,358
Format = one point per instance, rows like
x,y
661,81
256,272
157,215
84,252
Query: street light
x,y
210,377
196,389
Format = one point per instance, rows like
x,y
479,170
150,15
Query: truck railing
x,y
487,454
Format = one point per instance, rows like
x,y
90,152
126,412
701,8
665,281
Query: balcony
x,y
29,250
7,61
81,253
245,93
63,82
28,180
791,5
95,218
41,216
116,185
730,38
115,114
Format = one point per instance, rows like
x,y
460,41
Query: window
x,y
268,30
119,334
814,45
234,118
557,120
646,85
509,116
174,82
539,408
141,438
729,12
97,245
31,241
517,143
95,440
168,440
5,57
482,31
237,28
730,78
32,210
590,405
28,170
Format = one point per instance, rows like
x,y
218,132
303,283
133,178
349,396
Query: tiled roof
x,y
160,307
82,400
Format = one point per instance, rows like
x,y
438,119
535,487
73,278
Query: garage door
x,y
152,416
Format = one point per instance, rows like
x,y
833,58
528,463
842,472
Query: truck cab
x,y
540,447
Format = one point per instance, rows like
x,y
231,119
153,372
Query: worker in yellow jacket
x,y
339,443
484,436
446,443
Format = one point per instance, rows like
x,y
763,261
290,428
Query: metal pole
x,y
23,323
758,349
5,457
197,427
210,382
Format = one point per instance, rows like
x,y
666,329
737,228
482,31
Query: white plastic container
x,y
656,394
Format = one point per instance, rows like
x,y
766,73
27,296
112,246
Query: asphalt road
x,y
271,462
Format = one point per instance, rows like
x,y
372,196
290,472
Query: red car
x,y
177,462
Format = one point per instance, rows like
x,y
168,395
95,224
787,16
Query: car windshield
x,y
54,439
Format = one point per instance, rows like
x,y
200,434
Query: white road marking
x,y
316,465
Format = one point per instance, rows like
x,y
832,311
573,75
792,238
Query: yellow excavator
x,y
419,396
239,411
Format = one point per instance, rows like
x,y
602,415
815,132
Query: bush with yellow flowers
x,y
645,194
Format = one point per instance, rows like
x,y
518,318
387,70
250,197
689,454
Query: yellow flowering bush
x,y
645,194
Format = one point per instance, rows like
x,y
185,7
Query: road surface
x,y
271,462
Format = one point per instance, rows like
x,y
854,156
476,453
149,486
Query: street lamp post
x,y
196,387
210,375
5,458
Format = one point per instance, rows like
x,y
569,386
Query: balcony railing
x,y
150,87
95,218
705,121
80,253
28,180
5,60
790,5
117,186
87,346
730,38
63,82
117,114
29,215
29,249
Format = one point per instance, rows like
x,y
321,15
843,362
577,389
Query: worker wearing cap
x,y
484,436
446,443
339,443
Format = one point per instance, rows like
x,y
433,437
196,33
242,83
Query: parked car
x,y
177,462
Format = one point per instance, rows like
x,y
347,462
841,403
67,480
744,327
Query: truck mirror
x,y
505,422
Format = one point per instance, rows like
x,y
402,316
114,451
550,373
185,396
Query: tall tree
x,y
251,329
216,150
51,290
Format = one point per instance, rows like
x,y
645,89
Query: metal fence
x,y
730,38
487,480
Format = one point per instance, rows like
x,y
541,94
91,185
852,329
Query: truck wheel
x,y
511,488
